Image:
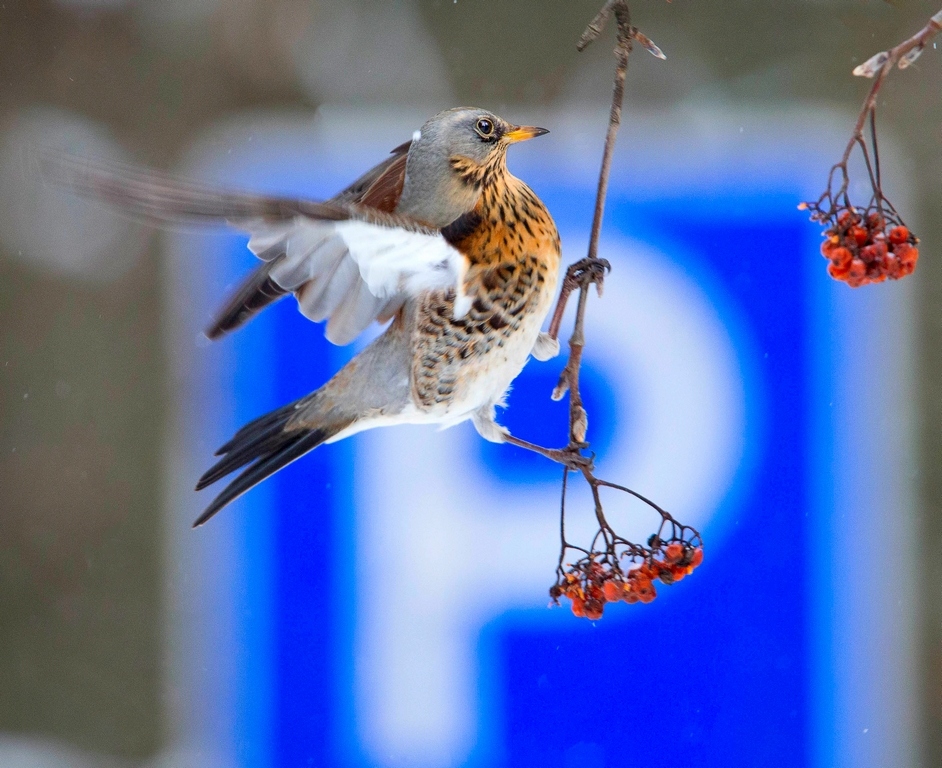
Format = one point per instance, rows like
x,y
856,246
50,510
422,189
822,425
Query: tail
x,y
266,444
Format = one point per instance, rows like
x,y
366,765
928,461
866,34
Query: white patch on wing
x,y
399,261
352,272
265,235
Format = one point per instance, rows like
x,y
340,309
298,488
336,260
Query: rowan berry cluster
x,y
865,249
591,583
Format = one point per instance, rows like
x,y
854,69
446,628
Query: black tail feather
x,y
266,423
245,454
293,446
265,445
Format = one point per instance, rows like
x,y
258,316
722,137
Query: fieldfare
x,y
439,238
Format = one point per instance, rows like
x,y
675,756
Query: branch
x,y
879,66
599,576
872,243
590,270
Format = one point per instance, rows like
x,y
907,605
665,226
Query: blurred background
x,y
107,597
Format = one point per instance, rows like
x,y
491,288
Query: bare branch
x,y
879,66
620,570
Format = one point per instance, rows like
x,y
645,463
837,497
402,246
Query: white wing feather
x,y
351,272
346,265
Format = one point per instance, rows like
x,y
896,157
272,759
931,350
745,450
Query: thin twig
x,y
562,522
622,52
878,67
590,270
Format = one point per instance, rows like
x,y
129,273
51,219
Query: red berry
x,y
875,221
899,235
868,254
697,557
891,267
645,590
857,269
841,257
578,607
856,282
859,234
673,552
829,245
612,591
593,609
906,253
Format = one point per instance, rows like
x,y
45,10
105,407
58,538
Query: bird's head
x,y
469,137
452,158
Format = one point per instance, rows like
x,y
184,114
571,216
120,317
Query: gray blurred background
x,y
84,386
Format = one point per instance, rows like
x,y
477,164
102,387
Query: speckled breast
x,y
513,250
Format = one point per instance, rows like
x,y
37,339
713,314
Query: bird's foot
x,y
570,456
585,272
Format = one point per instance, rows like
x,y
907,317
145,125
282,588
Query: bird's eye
x,y
485,128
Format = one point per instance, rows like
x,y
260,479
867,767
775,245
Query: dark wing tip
x,y
256,292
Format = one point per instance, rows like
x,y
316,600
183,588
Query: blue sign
x,y
383,601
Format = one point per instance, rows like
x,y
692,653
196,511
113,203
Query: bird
x,y
440,240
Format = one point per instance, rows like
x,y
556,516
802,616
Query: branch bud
x,y
562,387
580,425
648,44
911,56
872,65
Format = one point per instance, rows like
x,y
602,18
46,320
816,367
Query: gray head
x,y
450,160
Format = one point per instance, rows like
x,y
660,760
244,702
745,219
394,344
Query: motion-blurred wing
x,y
378,188
346,263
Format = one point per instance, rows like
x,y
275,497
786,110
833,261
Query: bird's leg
x,y
489,429
569,457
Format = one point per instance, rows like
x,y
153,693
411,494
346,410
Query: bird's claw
x,y
576,460
584,273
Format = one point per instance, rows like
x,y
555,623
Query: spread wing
x,y
356,270
379,188
348,261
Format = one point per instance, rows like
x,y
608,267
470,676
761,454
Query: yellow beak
x,y
524,133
